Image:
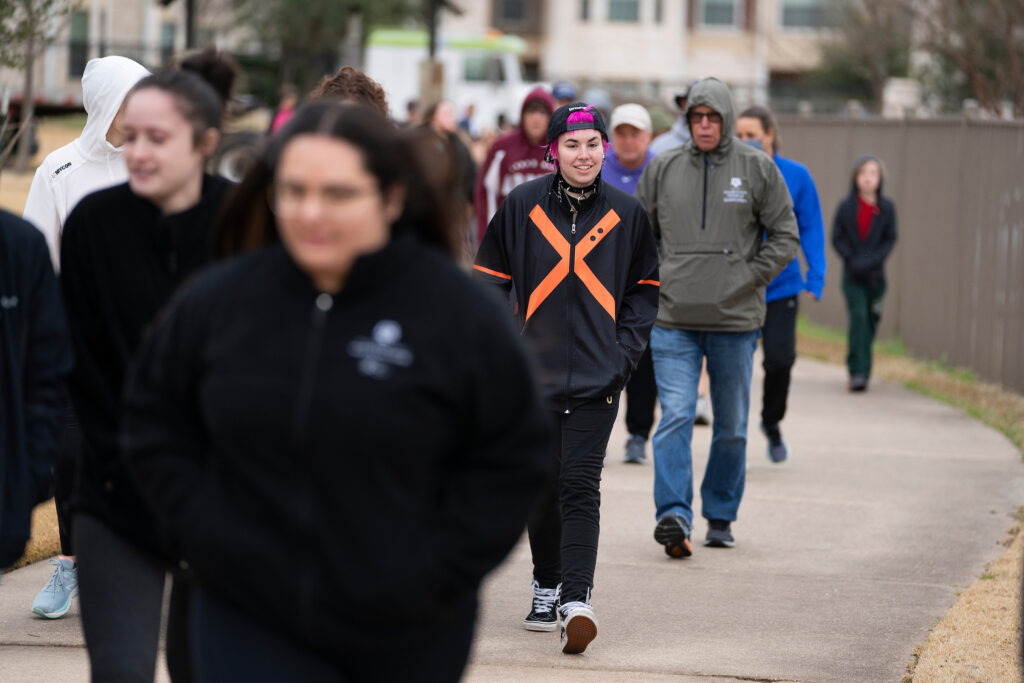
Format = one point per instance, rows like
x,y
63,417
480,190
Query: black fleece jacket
x,y
121,259
356,462
34,356
864,260
585,282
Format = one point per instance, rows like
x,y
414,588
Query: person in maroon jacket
x,y
514,158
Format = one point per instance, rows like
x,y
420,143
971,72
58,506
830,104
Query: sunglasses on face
x,y
695,117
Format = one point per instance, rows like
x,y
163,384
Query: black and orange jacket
x,y
584,283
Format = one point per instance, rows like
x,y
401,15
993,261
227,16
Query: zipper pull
x,y
573,231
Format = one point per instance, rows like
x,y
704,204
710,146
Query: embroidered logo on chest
x,y
382,352
735,194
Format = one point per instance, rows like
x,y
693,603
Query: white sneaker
x,y
702,414
579,626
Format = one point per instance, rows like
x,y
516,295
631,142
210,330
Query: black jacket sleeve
x,y
639,307
162,437
492,259
493,487
48,360
841,233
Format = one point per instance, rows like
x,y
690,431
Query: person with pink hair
x,y
580,256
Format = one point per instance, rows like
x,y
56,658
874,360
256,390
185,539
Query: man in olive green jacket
x,y
725,225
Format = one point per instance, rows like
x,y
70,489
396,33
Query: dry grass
x,y
979,638
45,541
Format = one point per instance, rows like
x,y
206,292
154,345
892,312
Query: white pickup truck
x,y
482,70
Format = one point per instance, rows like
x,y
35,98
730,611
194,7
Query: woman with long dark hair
x,y
123,253
338,428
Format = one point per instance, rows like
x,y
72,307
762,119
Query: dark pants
x,y
565,524
641,395
121,590
228,645
778,339
69,443
864,304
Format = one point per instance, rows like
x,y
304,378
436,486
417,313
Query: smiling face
x,y
329,208
165,162
580,153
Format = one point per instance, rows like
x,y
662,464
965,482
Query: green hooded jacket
x,y
724,224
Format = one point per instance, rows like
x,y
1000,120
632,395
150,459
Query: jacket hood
x,y
713,93
856,167
538,94
105,84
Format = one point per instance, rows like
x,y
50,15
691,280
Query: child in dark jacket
x,y
864,233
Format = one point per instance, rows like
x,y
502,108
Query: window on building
x,y
512,11
584,10
167,31
79,43
803,14
658,10
517,16
624,10
720,13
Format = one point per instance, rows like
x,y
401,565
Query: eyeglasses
x,y
713,117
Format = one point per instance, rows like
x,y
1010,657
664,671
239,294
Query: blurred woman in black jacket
x,y
864,232
338,428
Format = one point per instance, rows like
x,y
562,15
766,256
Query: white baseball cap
x,y
632,114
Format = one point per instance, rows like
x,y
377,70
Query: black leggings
x,y
565,525
227,645
121,590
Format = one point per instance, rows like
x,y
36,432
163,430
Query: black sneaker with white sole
x,y
719,534
543,615
673,532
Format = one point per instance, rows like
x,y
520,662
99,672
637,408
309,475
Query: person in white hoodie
x,y
91,162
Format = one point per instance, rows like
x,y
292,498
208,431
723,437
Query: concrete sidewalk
x,y
846,555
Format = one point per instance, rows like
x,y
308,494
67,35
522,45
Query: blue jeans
x,y
677,360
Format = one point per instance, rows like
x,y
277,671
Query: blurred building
x,y
139,29
764,49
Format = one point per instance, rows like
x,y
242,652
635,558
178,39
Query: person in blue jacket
x,y
757,126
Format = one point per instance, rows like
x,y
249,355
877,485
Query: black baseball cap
x,y
559,122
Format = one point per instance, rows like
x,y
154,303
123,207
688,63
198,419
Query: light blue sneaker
x,y
54,600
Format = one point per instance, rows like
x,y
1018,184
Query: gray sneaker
x,y
777,450
719,534
54,600
635,449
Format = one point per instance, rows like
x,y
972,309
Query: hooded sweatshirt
x,y
89,162
864,259
709,211
511,161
